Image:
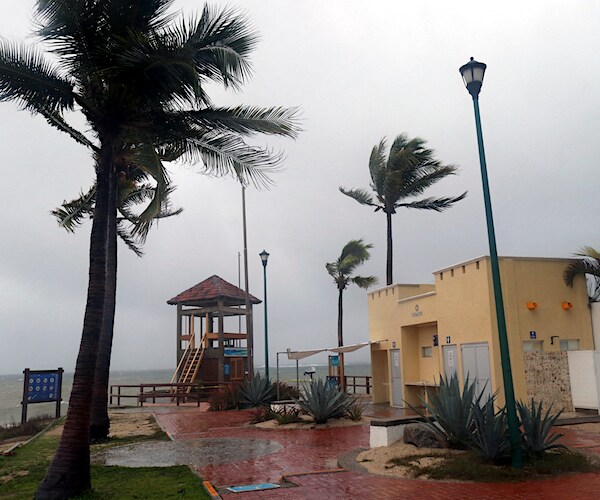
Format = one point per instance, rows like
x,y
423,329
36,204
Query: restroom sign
x,y
532,335
448,339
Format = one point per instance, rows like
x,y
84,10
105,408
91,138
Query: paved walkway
x,y
308,460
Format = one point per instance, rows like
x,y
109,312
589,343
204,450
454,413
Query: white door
x,y
396,378
476,364
450,360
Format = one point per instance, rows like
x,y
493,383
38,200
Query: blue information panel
x,y
334,360
42,387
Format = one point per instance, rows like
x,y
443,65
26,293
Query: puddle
x,y
199,452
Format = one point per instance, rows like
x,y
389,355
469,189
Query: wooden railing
x,y
363,382
178,393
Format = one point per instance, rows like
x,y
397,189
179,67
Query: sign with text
x,y
41,386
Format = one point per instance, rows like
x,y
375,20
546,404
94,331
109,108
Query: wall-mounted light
x,y
552,339
567,305
532,305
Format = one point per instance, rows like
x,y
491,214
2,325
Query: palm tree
x,y
354,254
70,216
589,266
136,73
406,172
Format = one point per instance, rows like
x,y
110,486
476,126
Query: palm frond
x,y
590,252
247,120
126,237
361,195
27,78
364,281
71,214
436,204
58,122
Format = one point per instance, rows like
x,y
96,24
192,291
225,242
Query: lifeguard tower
x,y
206,351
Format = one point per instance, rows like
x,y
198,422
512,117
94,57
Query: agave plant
x,y
536,428
452,410
256,392
490,429
322,401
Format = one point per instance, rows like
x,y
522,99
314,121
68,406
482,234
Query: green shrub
x,y
226,398
452,410
536,435
287,416
490,430
256,392
286,391
355,411
323,402
261,414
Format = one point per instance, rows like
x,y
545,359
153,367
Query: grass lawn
x,y
21,473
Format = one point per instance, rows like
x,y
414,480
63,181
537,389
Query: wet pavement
x,y
307,462
195,452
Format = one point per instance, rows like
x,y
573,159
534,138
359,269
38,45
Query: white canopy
x,y
347,348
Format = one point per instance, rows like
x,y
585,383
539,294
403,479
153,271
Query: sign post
x,y
41,386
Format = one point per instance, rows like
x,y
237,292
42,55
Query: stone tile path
x,y
308,459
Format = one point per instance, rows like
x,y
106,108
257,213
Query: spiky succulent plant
x,y
489,435
256,392
537,426
322,401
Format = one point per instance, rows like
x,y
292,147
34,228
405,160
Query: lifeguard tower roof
x,y
209,291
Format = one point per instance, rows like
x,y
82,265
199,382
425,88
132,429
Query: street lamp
x,y
472,74
264,256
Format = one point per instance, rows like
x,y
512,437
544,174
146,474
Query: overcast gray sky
x,y
359,73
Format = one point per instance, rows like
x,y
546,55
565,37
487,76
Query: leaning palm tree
x,y
406,172
354,254
137,74
588,266
130,193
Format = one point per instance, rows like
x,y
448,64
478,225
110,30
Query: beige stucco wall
x,y
461,306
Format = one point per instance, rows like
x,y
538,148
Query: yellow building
x,y
450,327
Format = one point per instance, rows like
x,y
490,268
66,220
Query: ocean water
x,y
11,386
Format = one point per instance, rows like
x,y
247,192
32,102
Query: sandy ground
x,y
376,460
309,424
124,424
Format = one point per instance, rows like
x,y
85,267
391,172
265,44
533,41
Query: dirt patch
x,y
309,424
376,460
13,475
124,425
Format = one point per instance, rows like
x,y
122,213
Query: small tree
x,y
341,270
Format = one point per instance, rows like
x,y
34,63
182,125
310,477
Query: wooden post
x,y
221,343
178,351
59,392
24,400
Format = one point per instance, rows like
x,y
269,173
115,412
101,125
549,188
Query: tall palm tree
x,y
137,74
354,254
589,266
70,215
406,172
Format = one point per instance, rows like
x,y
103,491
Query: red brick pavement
x,y
305,452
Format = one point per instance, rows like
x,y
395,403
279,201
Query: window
x,y
569,345
426,352
533,346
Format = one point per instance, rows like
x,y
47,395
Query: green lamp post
x,y
472,74
264,256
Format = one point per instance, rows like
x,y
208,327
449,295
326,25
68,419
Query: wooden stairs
x,y
189,366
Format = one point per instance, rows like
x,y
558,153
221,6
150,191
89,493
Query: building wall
x,y
460,306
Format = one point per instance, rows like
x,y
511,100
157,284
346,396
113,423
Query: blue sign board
x,y
236,352
42,387
435,341
448,339
226,369
334,361
532,335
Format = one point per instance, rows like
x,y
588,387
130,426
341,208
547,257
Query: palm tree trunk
x,y
341,338
99,421
69,472
389,249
